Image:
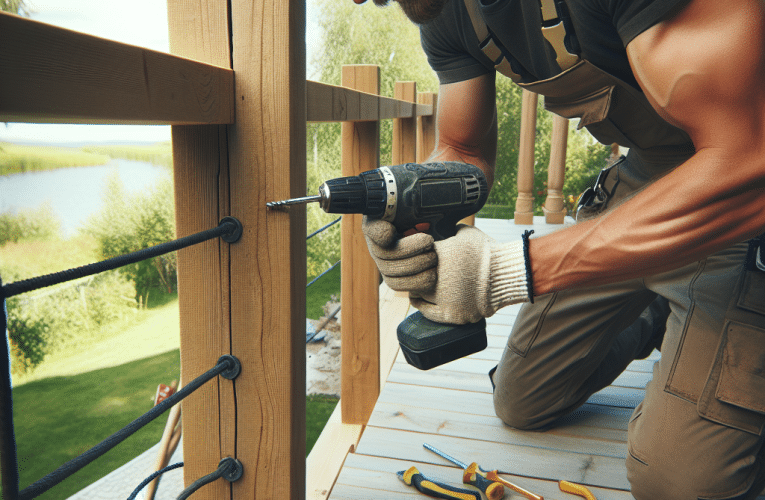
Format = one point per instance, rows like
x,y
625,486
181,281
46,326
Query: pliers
x,y
576,489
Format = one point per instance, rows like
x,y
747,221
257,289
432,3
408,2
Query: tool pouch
x,y
427,344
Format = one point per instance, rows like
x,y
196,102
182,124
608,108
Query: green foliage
x,y
129,223
29,225
40,322
19,7
324,289
160,153
16,158
318,409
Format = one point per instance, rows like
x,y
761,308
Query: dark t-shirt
x,y
603,29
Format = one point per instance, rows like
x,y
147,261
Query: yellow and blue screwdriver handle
x,y
413,477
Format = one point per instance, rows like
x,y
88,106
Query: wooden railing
x,y
237,144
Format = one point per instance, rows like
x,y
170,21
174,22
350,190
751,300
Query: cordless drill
x,y
440,194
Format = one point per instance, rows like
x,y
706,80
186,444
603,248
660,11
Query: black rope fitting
x,y
324,228
234,366
229,469
38,488
235,230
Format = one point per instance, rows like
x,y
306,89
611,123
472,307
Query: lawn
x,y
78,397
58,418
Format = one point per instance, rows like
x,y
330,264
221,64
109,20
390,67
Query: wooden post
x,y
247,299
405,129
360,279
524,205
553,207
200,157
426,127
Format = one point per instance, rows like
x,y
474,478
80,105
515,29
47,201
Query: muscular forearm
x,y
710,202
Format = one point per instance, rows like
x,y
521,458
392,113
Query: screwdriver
x,y
413,477
484,480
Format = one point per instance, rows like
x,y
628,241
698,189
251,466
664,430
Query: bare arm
x,y
466,125
703,70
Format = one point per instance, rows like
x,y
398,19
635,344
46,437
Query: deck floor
x,y
451,408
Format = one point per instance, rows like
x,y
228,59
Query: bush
x,y
26,225
129,223
42,321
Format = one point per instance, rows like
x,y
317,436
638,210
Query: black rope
x,y
228,468
229,228
323,228
8,459
322,274
226,365
152,477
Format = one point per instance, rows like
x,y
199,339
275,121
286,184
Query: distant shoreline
x,y
18,158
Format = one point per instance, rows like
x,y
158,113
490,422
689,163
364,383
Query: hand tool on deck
x,y
576,489
472,472
413,477
440,194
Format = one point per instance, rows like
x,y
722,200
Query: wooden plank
x,y
328,454
577,437
426,127
331,103
268,266
201,200
404,144
359,282
595,470
371,477
55,75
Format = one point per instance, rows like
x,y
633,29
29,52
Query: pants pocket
x,y
734,394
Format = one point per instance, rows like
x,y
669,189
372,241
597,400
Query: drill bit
x,y
294,201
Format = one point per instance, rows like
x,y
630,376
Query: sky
x,y
137,22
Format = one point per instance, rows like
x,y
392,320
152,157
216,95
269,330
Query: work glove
x,y
457,280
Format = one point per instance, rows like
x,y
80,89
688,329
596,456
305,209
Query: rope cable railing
x,y
230,230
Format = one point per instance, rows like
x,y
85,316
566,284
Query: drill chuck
x,y
372,193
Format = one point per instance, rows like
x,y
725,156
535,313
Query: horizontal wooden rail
x,y
55,75
331,103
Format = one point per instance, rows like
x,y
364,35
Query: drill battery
x,y
427,344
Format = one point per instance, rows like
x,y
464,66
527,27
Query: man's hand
x,y
457,280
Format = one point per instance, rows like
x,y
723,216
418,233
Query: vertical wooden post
x,y
247,299
267,151
405,129
200,31
360,279
553,207
426,127
524,205
615,152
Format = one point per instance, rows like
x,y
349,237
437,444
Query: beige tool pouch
x,y
612,110
734,394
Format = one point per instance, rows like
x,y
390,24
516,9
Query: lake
x,y
75,193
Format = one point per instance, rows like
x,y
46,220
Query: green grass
x,y
59,418
318,294
16,158
160,153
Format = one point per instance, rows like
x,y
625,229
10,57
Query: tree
x,y
15,7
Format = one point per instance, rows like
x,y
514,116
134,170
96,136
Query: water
x,y
74,194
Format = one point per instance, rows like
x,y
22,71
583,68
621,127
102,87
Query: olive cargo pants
x,y
698,434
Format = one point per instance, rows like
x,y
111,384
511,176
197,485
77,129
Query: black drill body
x,y
440,194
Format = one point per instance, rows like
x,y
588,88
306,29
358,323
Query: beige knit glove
x,y
457,280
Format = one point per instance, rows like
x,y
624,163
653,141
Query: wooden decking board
x,y
364,474
451,407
